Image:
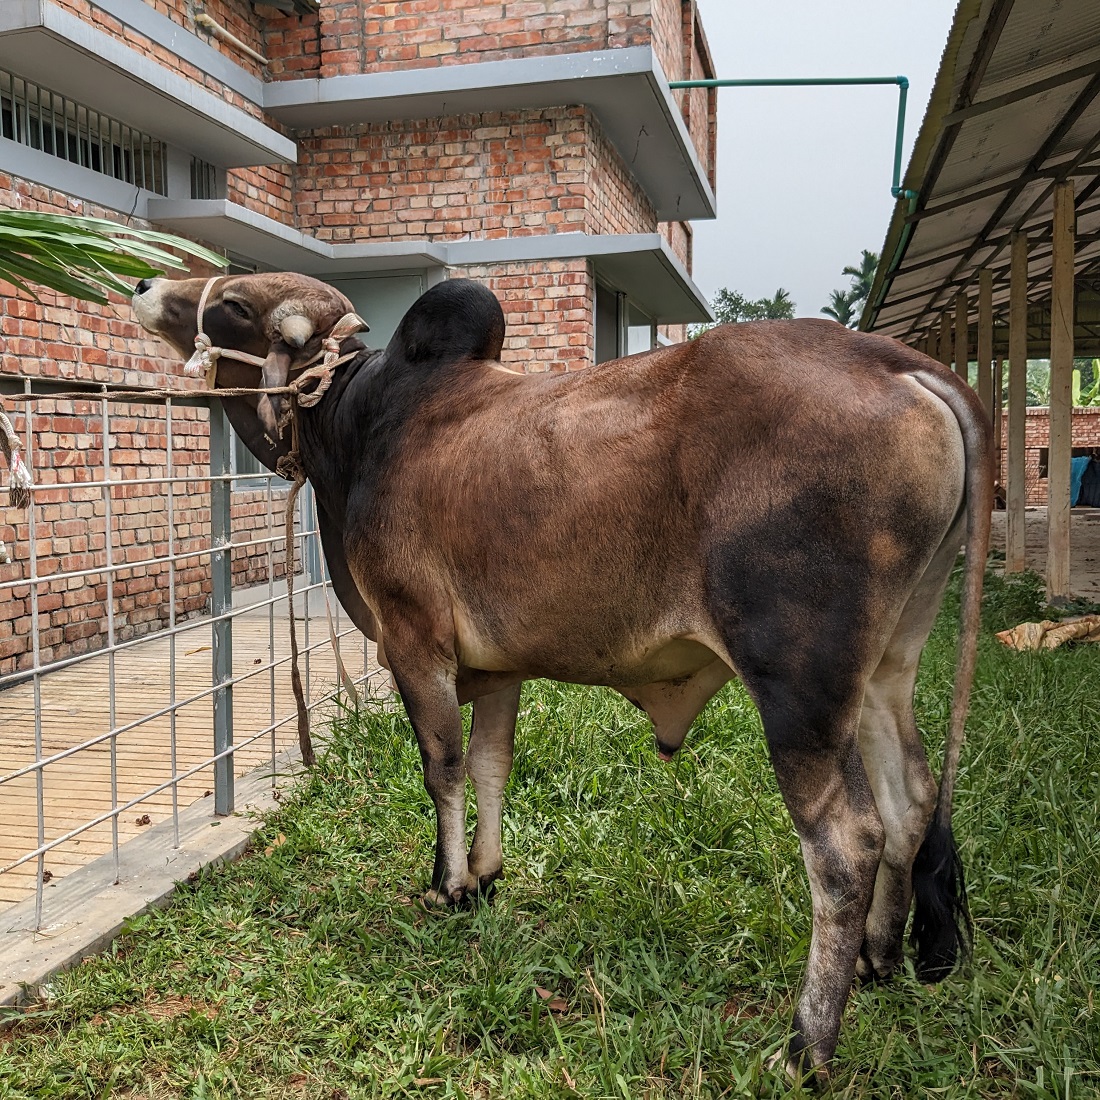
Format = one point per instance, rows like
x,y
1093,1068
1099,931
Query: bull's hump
x,y
455,320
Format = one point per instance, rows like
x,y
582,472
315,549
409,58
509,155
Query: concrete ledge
x,y
91,908
640,264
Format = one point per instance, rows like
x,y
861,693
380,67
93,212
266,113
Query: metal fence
x,y
141,677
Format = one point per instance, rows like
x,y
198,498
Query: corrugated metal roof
x,y
1015,107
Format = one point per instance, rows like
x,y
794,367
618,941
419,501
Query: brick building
x,y
535,145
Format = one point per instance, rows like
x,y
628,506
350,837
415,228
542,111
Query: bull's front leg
x,y
432,705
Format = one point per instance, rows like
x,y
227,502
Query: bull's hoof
x,y
797,1070
868,973
487,884
449,897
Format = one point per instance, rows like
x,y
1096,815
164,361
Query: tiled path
x,y
75,706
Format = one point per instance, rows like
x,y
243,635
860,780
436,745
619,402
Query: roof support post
x,y
943,348
985,339
1016,489
1061,397
998,425
962,335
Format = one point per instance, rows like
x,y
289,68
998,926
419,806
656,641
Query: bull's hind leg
x,y
824,785
488,764
897,767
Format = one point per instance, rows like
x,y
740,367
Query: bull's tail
x,y
941,921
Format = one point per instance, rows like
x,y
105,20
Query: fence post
x,y
221,572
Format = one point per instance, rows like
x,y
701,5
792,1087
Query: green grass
x,y
663,908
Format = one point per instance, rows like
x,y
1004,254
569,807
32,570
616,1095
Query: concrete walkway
x,y
1084,573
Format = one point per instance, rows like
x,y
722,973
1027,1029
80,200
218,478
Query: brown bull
x,y
782,502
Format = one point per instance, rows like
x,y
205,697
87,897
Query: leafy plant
x,y
86,257
841,307
731,307
846,306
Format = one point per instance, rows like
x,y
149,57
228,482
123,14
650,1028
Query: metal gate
x,y
143,631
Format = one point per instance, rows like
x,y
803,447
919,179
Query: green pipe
x,y
827,81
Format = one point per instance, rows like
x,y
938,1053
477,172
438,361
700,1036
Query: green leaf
x,y
85,257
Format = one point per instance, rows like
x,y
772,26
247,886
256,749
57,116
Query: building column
x,y
997,411
962,335
985,339
943,351
1015,486
1061,397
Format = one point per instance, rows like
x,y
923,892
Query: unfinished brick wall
x,y
616,204
357,36
269,190
292,44
521,173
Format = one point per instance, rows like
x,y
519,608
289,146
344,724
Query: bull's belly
x,y
619,663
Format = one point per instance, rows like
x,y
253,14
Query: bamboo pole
x,y
1016,487
962,334
1061,380
985,339
944,349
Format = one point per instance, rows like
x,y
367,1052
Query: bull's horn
x,y
296,329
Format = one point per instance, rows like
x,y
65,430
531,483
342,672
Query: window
x,y
44,120
204,180
621,327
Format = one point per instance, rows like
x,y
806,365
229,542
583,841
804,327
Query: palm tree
x,y
863,278
86,257
780,307
841,307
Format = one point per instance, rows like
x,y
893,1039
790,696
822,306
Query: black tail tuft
x,y
941,922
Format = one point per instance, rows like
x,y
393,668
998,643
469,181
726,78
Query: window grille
x,y
55,124
204,180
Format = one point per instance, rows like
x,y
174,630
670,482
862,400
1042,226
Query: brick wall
x,y
616,204
513,174
58,339
358,36
548,313
1084,432
292,44
490,175
268,190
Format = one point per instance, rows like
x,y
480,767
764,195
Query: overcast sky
x,y
804,173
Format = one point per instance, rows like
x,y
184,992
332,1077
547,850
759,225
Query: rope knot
x,y
204,358
289,467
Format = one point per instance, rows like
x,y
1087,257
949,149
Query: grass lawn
x,y
647,941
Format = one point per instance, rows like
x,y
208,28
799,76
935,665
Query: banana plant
x,y
87,257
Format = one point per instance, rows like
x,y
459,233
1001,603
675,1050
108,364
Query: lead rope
x,y
205,361
290,467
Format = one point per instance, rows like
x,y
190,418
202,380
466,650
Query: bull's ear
x,y
276,371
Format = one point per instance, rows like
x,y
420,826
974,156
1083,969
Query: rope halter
x,y
204,361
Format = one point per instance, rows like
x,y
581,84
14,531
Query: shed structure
x,y
993,251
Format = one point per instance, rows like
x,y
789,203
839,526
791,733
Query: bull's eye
x,y
236,308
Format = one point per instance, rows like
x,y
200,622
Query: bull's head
x,y
280,318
